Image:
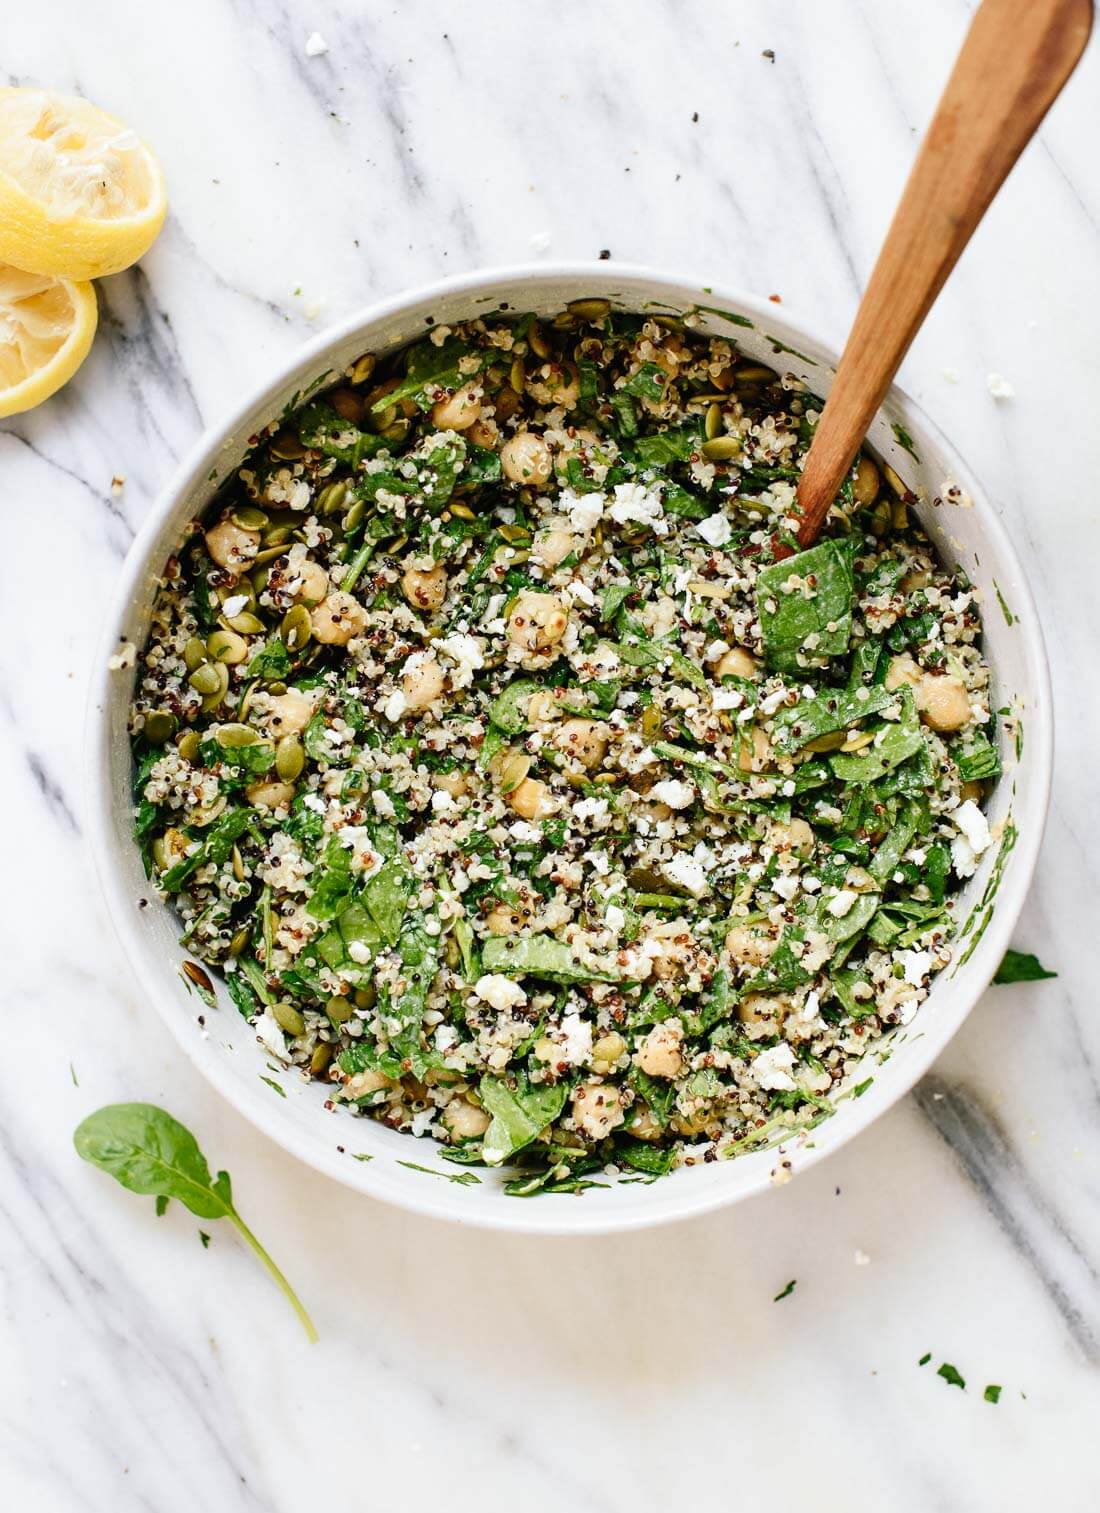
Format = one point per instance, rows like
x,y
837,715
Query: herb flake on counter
x,y
790,1287
951,1376
1021,966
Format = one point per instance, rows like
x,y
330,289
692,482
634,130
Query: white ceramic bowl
x,y
968,533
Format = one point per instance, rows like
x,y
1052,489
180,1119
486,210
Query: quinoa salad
x,y
523,779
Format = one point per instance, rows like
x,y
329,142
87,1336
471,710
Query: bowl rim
x,y
437,1200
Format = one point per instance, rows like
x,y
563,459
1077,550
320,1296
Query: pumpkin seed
x,y
899,516
894,481
363,369
881,517
246,623
296,628
169,848
452,953
723,379
278,535
290,758
652,720
539,345
194,973
461,511
286,447
248,517
245,702
857,742
188,745
831,742
287,1017
160,726
331,498
214,698
239,941
237,861
517,375
277,687
227,646
383,418
512,770
194,654
753,373
263,559
322,1055
713,421
721,448
606,779
233,736
514,534
354,517
339,1009
366,998
207,678
589,309
397,431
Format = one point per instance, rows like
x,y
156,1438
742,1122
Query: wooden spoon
x,y
1014,61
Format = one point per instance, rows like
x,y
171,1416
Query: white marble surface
x,y
463,1369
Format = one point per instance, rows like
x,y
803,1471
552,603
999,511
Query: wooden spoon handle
x,y
1015,59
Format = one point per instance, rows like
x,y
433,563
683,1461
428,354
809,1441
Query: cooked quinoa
x,y
526,782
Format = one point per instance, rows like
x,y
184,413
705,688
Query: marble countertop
x,y
763,146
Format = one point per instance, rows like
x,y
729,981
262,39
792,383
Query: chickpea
x,y
759,757
369,1081
544,705
866,483
458,411
737,663
485,433
525,458
659,1053
797,837
454,783
532,800
422,681
271,795
289,712
753,944
917,577
971,790
597,1109
336,619
695,1124
464,1121
537,622
607,1050
314,583
583,740
643,1126
941,699
763,1011
231,546
425,590
943,703
552,545
347,405
555,384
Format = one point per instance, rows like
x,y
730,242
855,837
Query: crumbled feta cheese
x,y
861,1258
917,965
395,705
634,501
687,873
673,792
973,824
772,1068
499,992
715,529
727,698
125,656
614,918
584,510
271,1036
466,652
591,809
233,605
316,46
841,903
576,1045
540,241
999,387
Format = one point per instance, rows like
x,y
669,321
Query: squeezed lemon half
x,y
46,328
81,195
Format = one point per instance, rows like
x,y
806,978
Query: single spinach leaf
x,y
804,599
217,843
1021,966
537,956
518,1114
149,1152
